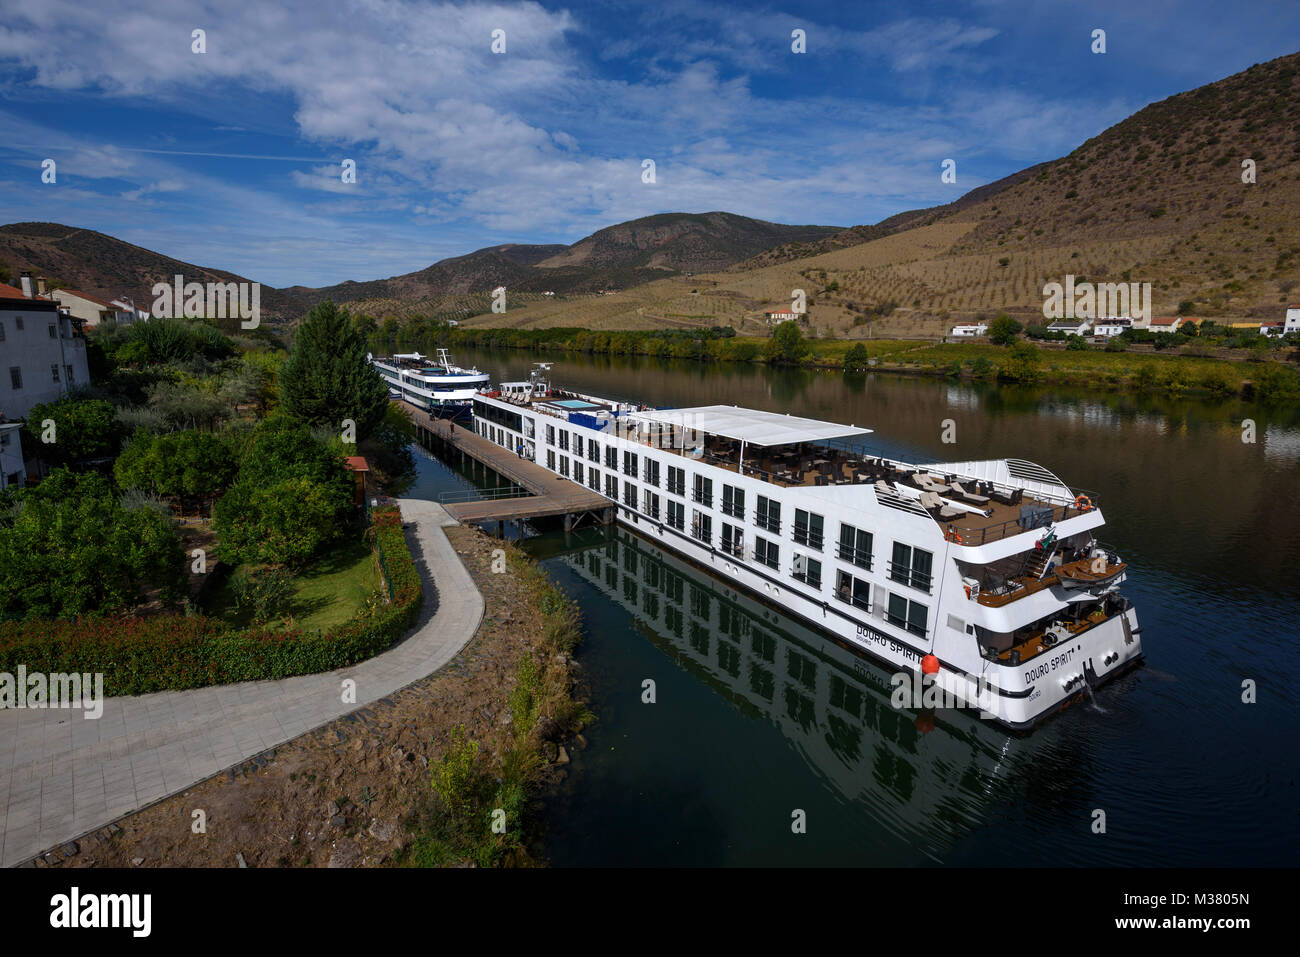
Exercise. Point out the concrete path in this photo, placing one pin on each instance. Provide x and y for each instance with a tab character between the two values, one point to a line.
62	775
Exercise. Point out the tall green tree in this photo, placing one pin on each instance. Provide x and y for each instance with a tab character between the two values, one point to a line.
327	379
787	345
68	430
1003	330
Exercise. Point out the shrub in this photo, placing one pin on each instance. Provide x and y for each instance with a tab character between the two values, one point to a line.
856	359
174	652
1003	330
1116	344
1077	344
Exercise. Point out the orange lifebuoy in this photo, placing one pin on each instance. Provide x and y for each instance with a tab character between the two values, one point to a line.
967	587
1083	503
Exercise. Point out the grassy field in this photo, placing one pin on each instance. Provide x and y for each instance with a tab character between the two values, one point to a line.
325	595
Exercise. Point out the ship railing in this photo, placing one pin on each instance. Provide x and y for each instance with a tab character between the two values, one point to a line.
1038	521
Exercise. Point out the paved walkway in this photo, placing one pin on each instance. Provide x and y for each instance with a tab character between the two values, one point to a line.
62	775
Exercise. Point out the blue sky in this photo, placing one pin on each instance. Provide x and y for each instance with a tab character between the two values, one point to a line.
231	158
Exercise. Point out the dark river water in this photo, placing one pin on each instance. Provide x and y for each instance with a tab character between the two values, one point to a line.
758	721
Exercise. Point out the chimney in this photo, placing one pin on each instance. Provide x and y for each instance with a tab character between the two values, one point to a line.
40	285
27	283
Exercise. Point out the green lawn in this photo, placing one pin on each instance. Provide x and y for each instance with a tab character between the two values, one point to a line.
326	593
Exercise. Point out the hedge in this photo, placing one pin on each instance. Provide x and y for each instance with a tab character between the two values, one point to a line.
174	652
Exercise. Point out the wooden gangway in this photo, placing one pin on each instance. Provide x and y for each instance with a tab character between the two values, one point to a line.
547	494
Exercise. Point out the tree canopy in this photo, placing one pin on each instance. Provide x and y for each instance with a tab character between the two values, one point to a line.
68	547
327	378
787	345
82	429
176	464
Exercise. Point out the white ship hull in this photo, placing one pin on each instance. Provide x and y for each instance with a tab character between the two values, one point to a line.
1014	661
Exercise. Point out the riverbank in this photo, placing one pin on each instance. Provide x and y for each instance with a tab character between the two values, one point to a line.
1196	368
357	791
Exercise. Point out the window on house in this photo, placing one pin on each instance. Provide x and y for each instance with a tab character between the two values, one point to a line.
54	333
15	377
807	528
54	371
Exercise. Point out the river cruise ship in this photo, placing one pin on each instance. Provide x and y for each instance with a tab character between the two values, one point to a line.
984	581
441	388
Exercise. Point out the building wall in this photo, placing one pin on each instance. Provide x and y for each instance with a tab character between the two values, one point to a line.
92	313
12	470
32	350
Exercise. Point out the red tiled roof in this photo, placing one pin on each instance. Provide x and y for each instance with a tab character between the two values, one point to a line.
9	292
1165	320
357	463
87	296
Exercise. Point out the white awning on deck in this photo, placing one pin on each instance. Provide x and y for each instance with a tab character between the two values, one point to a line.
751	426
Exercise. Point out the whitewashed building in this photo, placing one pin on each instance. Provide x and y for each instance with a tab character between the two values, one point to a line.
12	470
970	330
91	309
1112	326
42	351
1071	327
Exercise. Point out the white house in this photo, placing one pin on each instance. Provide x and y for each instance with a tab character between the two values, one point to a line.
780	315
968	330
91	309
1167	323
42	351
1071	327
129	311
12	469
1111	326
1292	322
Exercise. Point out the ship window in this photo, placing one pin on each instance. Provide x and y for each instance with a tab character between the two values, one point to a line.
629	463
676	515
733	540
702	527
733	501
577	471
550	435
652	472
564	465
855	546
611	457
703	492
629	494
768	515
593	479
766	553
676	480
911	566
611	487
564	440
853	591
807	570
550	459
807	528
907	614
593	450
651	505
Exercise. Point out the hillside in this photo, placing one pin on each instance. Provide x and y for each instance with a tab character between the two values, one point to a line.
109	268
1156	198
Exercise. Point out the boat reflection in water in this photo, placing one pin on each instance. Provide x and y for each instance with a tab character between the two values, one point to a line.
926	774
